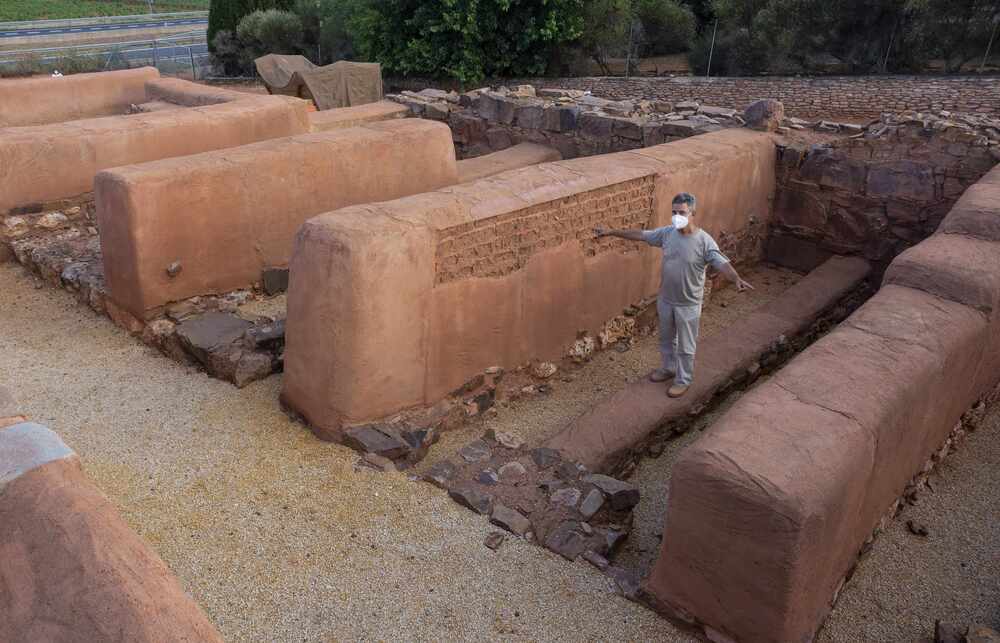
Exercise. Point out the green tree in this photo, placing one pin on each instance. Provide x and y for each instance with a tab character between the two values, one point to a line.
668	27
466	40
328	36
956	31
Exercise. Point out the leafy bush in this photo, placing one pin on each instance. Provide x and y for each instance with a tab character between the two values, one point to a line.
467	40
270	32
225	15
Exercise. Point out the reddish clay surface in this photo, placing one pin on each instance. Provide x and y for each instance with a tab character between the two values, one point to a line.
41	100
225	216
512	158
502	270
975	213
769	509
72	570
605	433
51	162
358	115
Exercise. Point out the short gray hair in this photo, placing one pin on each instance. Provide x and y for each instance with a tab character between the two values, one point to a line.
686	197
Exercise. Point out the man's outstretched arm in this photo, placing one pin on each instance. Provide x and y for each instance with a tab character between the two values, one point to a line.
730	273
631	235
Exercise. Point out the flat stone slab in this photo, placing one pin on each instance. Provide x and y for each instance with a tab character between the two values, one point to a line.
607	432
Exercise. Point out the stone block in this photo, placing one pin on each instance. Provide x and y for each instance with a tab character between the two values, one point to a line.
506	110
487	106
764	115
800	210
653	134
630	128
682	127
561	118
596	125
467	128
529	116
275	280
830	169
717	112
437	111
376	439
204	334
904	180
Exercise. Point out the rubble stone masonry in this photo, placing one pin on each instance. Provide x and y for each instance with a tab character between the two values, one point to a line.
862	96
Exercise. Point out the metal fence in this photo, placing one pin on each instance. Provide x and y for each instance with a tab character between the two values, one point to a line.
183	54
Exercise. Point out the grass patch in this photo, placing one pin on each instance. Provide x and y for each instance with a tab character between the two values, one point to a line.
61	9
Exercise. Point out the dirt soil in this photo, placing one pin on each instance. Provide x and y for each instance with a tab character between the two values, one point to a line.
536	417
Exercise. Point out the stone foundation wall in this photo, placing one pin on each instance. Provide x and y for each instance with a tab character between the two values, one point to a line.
485	121
860	96
769	509
501	271
877	193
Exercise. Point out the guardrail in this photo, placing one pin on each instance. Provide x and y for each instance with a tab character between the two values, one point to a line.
101	20
172	55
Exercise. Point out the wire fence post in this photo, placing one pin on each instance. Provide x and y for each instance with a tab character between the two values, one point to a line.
156	61
194	72
708	70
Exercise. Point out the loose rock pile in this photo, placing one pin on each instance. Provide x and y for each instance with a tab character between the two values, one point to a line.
575	122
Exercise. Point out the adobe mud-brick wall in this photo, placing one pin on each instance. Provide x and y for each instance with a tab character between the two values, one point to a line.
877	194
49	162
43	100
212	222
859	96
416	296
768	510
70	568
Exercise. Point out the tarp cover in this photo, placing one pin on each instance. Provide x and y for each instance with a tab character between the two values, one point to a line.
342	84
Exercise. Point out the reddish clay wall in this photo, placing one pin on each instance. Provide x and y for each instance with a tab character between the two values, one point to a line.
41	100
341	117
70	568
50	162
225	216
395	304
769	509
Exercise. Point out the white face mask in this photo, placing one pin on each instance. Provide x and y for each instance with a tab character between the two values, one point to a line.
680	221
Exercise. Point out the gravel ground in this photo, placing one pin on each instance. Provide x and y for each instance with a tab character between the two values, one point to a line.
275	533
907	581
280	537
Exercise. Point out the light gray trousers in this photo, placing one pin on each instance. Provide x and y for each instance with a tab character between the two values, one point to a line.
678	338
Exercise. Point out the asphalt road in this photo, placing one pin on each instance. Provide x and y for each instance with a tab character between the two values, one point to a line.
138	24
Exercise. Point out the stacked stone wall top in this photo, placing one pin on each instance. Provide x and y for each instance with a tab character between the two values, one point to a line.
42	100
502	270
861	96
769	510
71	569
51	162
213	222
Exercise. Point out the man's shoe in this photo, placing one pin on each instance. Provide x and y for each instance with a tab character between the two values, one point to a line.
660	375
677	390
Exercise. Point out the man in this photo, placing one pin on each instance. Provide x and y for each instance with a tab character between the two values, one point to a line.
687	251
